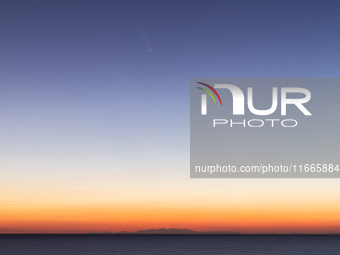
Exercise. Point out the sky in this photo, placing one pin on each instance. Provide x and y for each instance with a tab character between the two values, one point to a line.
94	109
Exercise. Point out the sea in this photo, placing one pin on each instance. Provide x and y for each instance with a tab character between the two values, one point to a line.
130	244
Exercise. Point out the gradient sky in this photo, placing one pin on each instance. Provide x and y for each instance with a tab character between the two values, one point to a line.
94	108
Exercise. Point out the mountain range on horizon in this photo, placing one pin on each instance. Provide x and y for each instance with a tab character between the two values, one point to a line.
169	231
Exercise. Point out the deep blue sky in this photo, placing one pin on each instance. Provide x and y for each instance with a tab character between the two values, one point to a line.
93	56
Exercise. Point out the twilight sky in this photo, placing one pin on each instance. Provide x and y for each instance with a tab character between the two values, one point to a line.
94	109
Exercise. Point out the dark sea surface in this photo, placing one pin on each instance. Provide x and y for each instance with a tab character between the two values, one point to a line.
169	244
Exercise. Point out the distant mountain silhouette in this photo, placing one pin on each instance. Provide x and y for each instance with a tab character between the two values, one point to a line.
165	231
176	231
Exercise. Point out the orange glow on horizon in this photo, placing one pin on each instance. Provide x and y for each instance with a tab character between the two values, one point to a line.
83	219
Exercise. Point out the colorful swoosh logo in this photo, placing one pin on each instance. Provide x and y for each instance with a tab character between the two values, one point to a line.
208	92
